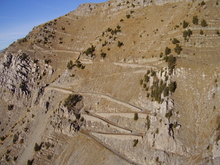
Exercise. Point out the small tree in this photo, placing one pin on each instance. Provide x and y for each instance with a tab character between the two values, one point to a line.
103	55
128	15
204	23
178	49
120	44
185	24
172	86
136	116
135	142
201	32
195	20
10	107
175	41
167	51
202	3
70	64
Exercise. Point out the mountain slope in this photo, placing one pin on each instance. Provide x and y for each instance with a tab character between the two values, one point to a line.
121	82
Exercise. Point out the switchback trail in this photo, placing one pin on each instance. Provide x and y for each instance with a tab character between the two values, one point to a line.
110	98
109	148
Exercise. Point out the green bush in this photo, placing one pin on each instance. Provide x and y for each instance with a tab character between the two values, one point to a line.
187	33
178	49
169	114
172	86
202	3
171	60
185	24
103	55
128	15
47	61
175	41
201	32
135	142
166	92
15	138
120	44
10	107
71	101
70	64
38	147
195	20
90	51
167	51
30	162
148	123
204	23
136	116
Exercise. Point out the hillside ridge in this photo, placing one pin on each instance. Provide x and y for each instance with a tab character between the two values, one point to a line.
120	82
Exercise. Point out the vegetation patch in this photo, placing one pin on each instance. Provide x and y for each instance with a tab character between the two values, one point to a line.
135	142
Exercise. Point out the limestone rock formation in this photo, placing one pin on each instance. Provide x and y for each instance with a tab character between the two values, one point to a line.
120	82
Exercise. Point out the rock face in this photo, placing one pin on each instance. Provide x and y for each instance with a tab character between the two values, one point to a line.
120	82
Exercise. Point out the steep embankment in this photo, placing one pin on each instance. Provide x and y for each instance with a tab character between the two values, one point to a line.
121	82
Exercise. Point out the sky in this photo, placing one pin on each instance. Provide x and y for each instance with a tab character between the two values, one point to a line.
18	17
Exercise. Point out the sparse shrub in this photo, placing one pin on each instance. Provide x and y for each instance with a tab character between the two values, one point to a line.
3	138
178	49
204	23
175	41
157	131
38	147
202	3
30	162
172	86
121	20
166	92
47	61
128	16
120	44
90	51
218	33
195	20
103	55
135	142
49	157
141	82
148	123
10	107
187	33
35	61
15	138
171	60
70	64
146	78
153	73
201	32
167	51
136	116
185	24
72	100
169	114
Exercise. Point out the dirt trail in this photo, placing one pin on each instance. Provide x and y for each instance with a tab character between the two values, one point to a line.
109	148
109	122
122	135
107	97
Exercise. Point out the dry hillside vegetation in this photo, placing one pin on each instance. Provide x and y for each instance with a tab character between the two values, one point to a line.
120	82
